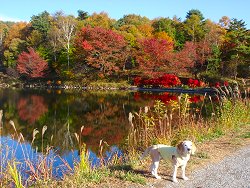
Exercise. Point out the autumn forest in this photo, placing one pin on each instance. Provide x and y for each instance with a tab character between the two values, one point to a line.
96	47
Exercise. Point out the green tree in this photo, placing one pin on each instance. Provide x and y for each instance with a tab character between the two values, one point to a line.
10	54
236	48
82	15
132	19
38	34
193	27
164	24
14	43
35	39
179	37
134	27
41	23
195	12
214	62
130	33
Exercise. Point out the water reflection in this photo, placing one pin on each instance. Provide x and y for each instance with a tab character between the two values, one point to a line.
29	159
103	116
31	108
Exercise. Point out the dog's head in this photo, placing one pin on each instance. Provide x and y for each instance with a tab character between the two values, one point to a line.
186	147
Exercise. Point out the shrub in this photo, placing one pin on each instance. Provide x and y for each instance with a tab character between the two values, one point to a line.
166	80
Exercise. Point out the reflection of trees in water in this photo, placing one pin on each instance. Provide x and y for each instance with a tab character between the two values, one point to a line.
31	108
61	126
102	115
105	123
65	134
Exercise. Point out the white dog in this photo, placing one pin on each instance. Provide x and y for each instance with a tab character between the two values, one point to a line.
179	157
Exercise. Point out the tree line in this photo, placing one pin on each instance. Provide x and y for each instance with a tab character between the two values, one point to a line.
94	47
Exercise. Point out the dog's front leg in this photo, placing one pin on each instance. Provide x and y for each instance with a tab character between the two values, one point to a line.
175	173
183	169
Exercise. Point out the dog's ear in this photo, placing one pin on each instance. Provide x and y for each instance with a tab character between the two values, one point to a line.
193	150
180	148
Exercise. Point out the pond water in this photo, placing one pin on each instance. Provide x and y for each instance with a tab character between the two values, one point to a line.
93	116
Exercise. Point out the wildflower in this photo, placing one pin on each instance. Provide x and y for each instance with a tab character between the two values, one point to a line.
217	84
226	83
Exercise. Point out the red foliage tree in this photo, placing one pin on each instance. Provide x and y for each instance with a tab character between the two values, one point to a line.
102	48
31	64
154	55
185	59
192	57
204	51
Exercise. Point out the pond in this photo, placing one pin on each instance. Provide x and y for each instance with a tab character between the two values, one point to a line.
60	115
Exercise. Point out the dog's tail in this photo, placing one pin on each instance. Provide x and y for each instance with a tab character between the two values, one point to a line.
146	152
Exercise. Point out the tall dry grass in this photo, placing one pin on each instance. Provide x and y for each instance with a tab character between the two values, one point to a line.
34	168
177	121
37	170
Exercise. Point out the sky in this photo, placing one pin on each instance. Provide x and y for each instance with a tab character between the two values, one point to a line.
23	10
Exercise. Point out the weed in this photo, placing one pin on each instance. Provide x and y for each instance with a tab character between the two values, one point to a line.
15	175
202	155
246	135
131	176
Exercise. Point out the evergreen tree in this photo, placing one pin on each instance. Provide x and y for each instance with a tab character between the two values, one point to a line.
236	48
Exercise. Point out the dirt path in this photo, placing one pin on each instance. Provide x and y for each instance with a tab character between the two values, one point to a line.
223	162
232	172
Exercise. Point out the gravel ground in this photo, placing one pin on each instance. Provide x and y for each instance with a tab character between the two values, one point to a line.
232	172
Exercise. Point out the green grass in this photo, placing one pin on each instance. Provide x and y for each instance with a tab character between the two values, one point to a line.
131	176
202	155
245	135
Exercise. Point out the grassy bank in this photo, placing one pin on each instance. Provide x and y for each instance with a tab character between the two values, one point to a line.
160	123
166	124
176	121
